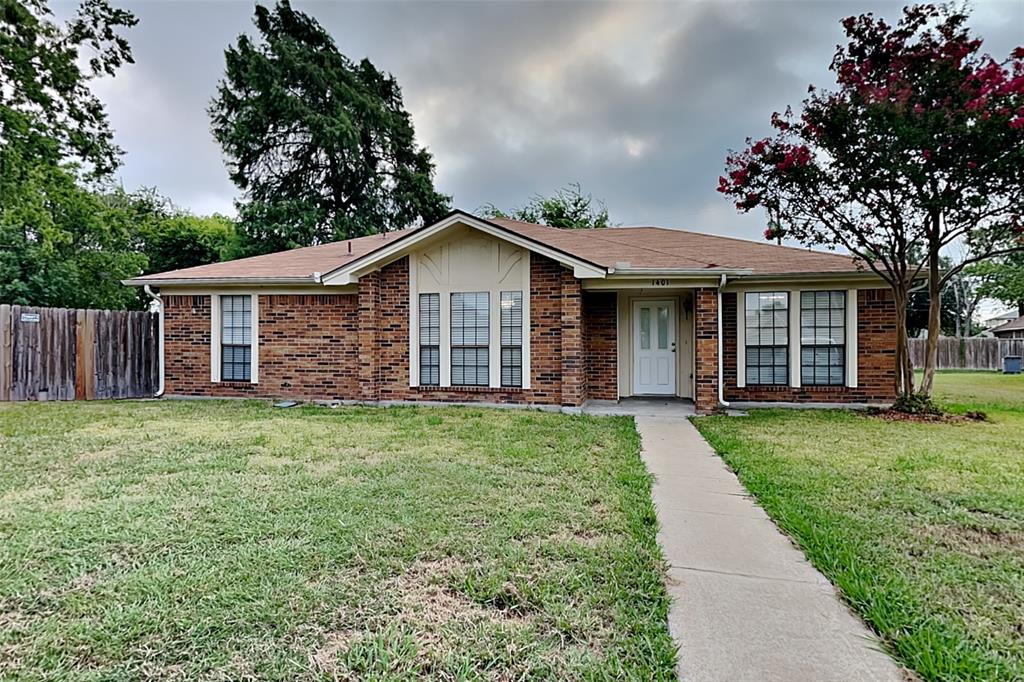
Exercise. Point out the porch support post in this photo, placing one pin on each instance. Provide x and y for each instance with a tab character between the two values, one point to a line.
369	323
705	330
572	341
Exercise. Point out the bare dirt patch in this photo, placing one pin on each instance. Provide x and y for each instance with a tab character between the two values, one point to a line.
925	417
977	540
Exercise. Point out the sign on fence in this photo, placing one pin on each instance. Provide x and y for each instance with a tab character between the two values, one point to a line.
974	353
64	354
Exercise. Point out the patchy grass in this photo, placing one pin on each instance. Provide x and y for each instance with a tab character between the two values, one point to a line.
228	540
967	390
921	526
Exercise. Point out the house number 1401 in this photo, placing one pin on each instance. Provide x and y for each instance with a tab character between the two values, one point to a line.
659	282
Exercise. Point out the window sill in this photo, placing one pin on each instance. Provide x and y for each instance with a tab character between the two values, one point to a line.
805	387
470	389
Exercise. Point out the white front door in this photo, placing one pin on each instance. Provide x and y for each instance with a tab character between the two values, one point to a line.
654	348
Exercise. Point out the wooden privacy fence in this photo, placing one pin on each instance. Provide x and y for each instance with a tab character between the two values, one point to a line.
957	353
62	354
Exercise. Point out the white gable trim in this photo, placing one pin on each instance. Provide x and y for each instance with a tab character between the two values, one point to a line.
351	272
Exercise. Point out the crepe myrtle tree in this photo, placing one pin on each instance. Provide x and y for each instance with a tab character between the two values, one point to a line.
920	146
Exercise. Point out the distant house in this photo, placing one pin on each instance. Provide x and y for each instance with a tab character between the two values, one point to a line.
1011	330
999	320
485	310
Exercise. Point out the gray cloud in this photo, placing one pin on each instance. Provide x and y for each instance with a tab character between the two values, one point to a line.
638	102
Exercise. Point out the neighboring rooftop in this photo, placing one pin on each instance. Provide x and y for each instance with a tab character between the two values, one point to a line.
1011	326
612	247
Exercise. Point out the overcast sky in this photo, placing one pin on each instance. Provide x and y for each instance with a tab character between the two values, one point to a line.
638	102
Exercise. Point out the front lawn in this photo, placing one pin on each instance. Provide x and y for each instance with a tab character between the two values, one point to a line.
229	540
921	526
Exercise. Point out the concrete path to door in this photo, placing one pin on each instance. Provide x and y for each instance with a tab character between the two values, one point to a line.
746	603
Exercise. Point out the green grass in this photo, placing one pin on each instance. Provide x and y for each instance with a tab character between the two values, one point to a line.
228	540
921	526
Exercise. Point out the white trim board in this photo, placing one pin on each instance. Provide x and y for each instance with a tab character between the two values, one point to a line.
350	273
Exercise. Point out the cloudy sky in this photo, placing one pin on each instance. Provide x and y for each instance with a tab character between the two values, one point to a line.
638	102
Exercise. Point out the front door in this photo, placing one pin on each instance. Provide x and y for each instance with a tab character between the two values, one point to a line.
654	348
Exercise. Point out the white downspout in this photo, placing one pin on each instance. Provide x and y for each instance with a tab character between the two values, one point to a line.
721	348
157	306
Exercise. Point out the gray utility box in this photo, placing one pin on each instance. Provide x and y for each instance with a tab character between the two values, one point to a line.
1011	364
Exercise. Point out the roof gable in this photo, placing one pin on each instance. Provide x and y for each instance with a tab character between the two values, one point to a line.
351	271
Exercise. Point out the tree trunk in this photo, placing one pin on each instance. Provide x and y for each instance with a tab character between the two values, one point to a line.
931	357
904	368
956	317
1020	308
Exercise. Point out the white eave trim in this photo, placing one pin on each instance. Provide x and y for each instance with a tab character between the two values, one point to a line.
220	281
624	273
804	278
351	272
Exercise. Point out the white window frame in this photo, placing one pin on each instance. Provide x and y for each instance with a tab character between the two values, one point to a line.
741	336
493	290
794	334
215	336
846	332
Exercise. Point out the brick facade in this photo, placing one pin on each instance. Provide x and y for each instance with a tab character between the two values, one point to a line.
356	347
600	344
307	348
705	330
876	343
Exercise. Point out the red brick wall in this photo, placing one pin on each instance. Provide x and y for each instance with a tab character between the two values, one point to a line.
573	371
705	329
307	347
600	344
876	343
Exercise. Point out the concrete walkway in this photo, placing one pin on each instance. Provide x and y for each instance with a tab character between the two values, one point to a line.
746	604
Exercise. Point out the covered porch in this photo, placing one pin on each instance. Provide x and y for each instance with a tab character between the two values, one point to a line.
650	346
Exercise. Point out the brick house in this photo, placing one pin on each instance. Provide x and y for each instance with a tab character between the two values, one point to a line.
499	311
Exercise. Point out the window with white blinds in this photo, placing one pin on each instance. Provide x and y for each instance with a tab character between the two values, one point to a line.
470	338
512	338
823	338
236	338
767	338
430	339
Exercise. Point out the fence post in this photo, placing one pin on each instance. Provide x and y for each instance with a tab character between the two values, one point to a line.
6	352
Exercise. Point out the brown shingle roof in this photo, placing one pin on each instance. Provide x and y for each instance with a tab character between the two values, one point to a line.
298	263
1011	326
640	247
659	247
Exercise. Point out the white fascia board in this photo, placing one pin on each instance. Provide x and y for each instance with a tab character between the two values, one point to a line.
351	272
836	280
218	281
632	273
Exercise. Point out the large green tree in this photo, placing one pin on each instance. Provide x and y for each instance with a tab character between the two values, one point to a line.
568	208
919	146
321	146
48	115
1003	279
58	245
